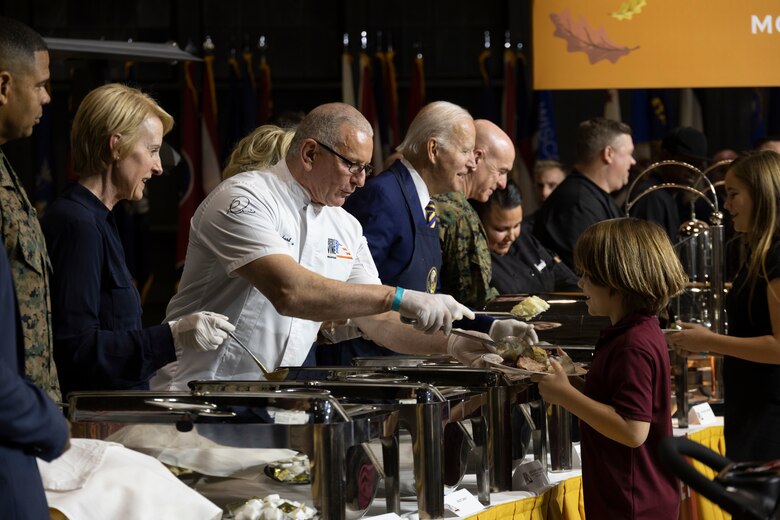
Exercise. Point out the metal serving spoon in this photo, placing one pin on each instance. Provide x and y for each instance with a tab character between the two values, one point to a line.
276	375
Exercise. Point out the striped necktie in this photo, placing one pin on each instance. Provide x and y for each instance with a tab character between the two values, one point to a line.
430	214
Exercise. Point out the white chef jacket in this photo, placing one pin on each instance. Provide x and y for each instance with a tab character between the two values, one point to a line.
247	217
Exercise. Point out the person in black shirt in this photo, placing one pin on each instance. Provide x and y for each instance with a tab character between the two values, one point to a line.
751	350
604	156
520	263
548	175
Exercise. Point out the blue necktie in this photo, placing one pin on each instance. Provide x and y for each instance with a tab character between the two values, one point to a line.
430	214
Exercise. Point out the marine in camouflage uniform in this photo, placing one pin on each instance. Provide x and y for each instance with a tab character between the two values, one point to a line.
466	263
31	270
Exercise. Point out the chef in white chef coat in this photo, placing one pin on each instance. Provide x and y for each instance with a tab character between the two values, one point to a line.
275	253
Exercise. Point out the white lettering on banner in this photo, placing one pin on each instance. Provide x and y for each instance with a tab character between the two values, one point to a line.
757	25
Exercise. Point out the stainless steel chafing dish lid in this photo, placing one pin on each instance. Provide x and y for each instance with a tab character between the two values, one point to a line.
405	361
353	389
235	407
458	376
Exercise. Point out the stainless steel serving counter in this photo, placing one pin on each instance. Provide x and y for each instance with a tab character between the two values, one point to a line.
502	394
242	420
431	414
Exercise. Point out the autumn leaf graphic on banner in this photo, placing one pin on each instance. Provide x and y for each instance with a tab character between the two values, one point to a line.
580	36
629	9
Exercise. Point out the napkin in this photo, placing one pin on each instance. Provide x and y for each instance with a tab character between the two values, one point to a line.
194	451
95	480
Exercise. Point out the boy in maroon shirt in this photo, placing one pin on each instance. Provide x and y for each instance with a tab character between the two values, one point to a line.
629	272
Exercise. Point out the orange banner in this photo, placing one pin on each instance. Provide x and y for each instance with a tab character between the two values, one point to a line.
601	44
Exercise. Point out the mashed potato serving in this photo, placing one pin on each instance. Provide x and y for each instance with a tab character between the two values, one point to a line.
530	308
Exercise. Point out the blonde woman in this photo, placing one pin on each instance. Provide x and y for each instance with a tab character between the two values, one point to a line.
99	342
259	150
752	348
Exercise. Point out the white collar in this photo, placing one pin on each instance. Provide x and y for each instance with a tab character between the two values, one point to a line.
419	185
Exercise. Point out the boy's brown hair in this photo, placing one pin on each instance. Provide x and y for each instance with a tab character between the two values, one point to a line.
633	258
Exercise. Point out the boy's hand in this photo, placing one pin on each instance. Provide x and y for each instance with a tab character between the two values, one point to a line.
553	387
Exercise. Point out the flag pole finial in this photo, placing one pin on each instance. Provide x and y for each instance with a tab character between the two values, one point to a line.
345	40
487	39
417	47
363	40
507	40
208	44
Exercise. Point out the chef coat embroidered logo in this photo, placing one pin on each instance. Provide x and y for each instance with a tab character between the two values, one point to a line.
541	265
431	280
240	205
338	250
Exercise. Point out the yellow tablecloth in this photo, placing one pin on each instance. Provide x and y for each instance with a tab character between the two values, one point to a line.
564	501
694	506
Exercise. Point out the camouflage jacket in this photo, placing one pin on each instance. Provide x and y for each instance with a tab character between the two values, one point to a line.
466	264
31	270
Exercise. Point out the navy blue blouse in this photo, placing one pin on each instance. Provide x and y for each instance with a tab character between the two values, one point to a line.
99	342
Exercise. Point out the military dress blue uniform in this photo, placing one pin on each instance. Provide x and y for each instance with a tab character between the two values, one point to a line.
31	425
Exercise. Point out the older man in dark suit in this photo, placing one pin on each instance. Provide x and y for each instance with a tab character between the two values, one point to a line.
399	220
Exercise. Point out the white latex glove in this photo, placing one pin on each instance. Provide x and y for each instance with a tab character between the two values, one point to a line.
503	328
432	312
469	352
202	330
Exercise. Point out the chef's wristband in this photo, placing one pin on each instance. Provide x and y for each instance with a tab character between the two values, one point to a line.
399	294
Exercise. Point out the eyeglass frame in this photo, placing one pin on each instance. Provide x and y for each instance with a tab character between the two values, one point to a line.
368	168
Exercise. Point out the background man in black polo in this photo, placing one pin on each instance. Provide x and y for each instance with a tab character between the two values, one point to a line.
604	151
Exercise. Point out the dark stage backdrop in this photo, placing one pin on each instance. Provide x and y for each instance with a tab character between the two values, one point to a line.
304	50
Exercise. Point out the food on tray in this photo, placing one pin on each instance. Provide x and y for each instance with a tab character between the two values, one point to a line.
509	347
516	352
534	359
178	471
295	470
273	506
530	307
538	354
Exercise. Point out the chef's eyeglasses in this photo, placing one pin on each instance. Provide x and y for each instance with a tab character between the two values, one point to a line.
353	167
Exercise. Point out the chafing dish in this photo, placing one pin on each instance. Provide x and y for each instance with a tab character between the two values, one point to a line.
431	414
242	420
501	396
